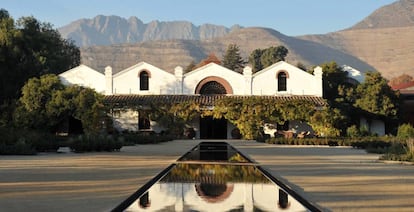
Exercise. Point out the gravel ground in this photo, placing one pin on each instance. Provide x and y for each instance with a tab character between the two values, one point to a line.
335	178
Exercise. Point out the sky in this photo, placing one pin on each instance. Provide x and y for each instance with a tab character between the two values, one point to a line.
290	17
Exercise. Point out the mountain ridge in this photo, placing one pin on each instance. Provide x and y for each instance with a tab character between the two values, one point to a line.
382	41
107	30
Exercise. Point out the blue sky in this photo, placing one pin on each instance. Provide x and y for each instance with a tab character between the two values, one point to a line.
290	17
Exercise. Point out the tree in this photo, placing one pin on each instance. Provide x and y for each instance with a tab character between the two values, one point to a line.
376	97
254	60
273	55
261	59
333	77
36	95
190	67
46	102
29	49
232	59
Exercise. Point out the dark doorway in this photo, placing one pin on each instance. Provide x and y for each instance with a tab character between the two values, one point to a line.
211	128
75	126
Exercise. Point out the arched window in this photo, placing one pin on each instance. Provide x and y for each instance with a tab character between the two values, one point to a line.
281	81
212	87
143	81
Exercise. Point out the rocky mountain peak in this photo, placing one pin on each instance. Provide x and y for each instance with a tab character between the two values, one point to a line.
397	14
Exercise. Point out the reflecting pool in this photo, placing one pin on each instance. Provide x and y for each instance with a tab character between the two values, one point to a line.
214	176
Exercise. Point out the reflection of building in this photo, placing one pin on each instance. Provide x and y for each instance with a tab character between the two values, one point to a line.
233	196
143	83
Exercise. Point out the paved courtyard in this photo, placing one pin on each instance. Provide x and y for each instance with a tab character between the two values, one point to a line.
336	178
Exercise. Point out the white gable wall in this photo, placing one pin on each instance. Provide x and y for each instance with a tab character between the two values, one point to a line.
160	81
84	76
192	79
298	82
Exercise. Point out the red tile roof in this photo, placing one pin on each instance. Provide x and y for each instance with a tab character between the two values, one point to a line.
205	100
403	86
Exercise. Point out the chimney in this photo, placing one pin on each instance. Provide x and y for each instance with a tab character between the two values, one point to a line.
247	73
108	80
178	72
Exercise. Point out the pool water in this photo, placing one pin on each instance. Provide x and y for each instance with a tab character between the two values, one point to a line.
214	176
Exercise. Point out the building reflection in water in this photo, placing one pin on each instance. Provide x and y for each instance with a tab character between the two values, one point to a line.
214	176
218	187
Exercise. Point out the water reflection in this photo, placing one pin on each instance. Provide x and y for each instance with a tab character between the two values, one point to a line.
214	176
215	187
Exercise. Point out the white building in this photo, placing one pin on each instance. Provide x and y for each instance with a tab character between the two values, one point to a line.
145	82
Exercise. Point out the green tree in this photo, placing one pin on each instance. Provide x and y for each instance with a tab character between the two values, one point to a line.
29	49
333	77
273	55
262	58
232	59
254	60
45	103
36	95
376	97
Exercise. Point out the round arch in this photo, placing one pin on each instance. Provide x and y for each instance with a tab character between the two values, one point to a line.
221	81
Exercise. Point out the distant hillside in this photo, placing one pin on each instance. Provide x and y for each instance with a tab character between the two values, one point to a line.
384	39
107	30
168	54
398	14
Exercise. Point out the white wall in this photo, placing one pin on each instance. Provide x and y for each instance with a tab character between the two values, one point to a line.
84	76
192	79
127	81
298	81
125	120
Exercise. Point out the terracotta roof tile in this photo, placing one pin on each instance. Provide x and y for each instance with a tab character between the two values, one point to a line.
206	100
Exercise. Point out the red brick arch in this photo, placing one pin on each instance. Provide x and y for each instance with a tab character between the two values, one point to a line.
223	82
282	71
144	70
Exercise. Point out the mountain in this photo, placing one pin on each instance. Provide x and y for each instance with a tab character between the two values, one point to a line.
384	39
107	30
170	53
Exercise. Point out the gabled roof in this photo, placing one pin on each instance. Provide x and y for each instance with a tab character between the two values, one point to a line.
208	66
143	64
81	67
205	100
281	63
404	86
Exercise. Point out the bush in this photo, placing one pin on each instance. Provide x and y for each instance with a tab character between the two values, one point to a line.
405	131
19	148
353	131
21	141
136	138
95	143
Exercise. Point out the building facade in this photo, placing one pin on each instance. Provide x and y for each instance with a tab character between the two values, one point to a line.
143	82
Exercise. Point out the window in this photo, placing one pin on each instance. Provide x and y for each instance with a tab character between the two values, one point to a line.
212	87
281	82
143	81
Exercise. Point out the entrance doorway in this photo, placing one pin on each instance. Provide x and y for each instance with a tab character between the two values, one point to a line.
211	128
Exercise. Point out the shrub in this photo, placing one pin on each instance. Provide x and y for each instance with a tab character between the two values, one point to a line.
95	143
19	148
405	131
21	141
353	131
136	138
